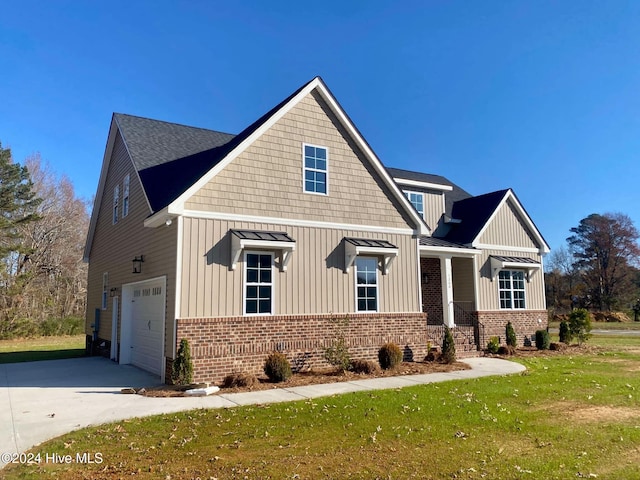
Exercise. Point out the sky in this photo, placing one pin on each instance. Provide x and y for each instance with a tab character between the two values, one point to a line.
541	96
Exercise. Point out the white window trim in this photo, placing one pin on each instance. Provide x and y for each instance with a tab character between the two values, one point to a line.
239	245
116	204
125	195
244	284
105	290
530	268
304	169
355	281
512	290
409	192
352	252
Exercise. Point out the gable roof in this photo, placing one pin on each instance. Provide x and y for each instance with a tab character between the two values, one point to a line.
450	197
476	213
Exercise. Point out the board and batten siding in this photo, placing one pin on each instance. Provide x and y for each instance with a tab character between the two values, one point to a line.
115	246
507	228
433	208
267	178
314	281
463	285
488	295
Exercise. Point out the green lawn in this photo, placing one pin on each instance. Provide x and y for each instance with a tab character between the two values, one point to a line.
567	417
606	325
41	348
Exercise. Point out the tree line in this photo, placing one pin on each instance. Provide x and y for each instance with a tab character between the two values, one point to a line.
43	227
597	268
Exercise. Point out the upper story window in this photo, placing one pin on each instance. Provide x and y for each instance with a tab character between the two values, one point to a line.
366	284
315	169
258	283
511	289
417	200
125	196
116	203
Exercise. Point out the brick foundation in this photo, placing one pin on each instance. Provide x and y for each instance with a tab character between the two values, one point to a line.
220	346
525	323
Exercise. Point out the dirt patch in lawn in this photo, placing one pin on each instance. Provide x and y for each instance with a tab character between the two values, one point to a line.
315	377
593	414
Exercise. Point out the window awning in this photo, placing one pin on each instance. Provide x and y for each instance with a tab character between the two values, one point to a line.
375	248
520	263
261	240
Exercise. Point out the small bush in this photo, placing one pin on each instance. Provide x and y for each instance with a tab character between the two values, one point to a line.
182	371
580	325
433	354
506	350
542	340
510	333
242	379
448	347
277	367
494	345
389	356
363	366
337	353
565	332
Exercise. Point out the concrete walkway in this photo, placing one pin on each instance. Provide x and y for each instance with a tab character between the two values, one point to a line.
42	400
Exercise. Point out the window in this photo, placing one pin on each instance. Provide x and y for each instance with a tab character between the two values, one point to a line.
511	288
105	287
417	200
315	169
258	299
125	196
116	201
366	284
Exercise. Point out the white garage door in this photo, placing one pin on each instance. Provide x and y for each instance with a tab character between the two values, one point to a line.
144	320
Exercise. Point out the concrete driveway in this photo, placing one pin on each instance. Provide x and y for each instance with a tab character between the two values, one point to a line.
42	400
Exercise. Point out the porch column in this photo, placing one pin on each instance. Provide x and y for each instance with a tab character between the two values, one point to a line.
447	290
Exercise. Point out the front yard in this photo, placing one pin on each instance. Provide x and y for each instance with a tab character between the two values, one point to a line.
569	416
41	348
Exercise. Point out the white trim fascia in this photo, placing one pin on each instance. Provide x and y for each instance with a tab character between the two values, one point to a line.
523	215
318	85
487	246
456	252
178	290
419	272
476	283
417	183
544	287
293	222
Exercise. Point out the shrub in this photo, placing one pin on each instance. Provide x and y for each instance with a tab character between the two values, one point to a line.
277	367
494	345
542	340
506	350
560	347
510	333
182	371
242	379
337	353
363	366
448	347
565	333
580	324
389	356
61	326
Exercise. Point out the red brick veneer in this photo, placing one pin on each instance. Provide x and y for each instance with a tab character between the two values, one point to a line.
220	346
431	290
525	324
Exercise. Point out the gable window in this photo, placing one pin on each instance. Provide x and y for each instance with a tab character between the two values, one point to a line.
417	200
366	284
105	293
116	201
258	283
125	196
315	169
511	289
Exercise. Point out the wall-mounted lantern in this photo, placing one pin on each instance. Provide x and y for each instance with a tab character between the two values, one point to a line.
137	264
113	292
425	279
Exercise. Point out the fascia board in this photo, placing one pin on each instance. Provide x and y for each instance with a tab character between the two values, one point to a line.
429	185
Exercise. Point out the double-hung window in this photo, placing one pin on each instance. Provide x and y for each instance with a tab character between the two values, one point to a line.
417	200
125	196
116	203
258	298
366	284
511	289
315	169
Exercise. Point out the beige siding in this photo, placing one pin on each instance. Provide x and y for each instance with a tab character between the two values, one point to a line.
488	289
314	281
463	288
356	195
115	246
433	208
507	228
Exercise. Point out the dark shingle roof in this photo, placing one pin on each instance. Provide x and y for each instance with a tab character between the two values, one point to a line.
474	212
449	197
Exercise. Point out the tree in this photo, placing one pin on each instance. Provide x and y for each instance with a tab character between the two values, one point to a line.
606	248
562	280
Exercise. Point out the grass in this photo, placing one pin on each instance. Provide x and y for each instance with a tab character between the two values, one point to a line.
606	325
566	417
41	348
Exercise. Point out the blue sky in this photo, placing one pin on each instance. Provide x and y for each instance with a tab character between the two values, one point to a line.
542	97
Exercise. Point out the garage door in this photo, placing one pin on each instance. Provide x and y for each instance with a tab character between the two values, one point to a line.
146	324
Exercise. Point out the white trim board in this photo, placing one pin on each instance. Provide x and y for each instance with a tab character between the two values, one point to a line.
416	183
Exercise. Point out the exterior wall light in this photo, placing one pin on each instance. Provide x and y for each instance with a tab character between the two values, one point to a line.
137	264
